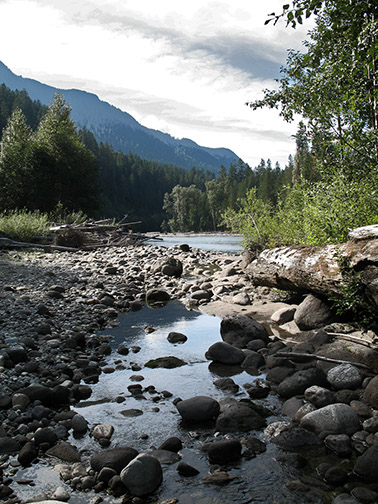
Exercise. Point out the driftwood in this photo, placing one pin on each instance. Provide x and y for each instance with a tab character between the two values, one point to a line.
12	244
318	269
300	355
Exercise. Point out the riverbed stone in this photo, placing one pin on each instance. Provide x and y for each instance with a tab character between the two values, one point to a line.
239	330
371	393
298	382
283	315
173	444
187	470
198	409
319	396
176	337
115	458
225	353
338	418
103	431
312	313
366	466
344	376
225	451
64	451
339	443
296	439
142	475
236	416
169	362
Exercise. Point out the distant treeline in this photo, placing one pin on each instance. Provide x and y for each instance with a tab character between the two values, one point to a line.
46	161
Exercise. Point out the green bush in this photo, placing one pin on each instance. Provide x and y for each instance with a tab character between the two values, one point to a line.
24	225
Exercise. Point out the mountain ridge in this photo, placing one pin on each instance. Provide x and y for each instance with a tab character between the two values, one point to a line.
110	124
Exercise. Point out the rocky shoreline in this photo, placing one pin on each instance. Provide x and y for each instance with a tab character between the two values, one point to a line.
53	306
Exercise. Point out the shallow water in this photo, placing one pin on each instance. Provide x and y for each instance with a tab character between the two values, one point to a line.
226	243
259	480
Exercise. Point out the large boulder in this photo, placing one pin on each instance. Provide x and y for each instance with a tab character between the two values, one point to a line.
239	330
142	475
198	409
298	382
338	418
312	313
236	416
367	464
225	353
371	393
344	376
115	458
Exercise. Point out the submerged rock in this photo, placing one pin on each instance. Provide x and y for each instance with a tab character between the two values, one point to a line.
142	475
198	409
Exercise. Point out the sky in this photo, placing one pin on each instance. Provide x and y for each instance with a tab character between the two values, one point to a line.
184	67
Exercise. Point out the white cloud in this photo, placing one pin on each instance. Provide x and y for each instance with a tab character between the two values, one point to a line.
185	68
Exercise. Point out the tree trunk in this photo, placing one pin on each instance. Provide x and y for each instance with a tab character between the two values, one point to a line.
322	270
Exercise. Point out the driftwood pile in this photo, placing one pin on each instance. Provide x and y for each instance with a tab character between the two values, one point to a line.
88	235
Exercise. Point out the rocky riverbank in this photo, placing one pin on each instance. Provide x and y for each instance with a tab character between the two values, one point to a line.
53	307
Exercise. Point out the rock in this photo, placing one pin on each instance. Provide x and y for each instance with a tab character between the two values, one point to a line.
21	401
254	444
241	299
61	495
312	313
304	410
165	362
172	444
345	498
79	424
236	416
142	475
364	495
157	296
64	451
201	294
283	315
9	445
132	412
319	396
298	382
371	425
165	456
339	443
295	439
187	470
336	476
227	384
103	431
336	418
198	409
239	330
176	337
106	474
253	360
168	266
366	466
344	376
222	452
116	487
115	458
371	393
291	406
45	436
38	393
225	353
218	478
27	454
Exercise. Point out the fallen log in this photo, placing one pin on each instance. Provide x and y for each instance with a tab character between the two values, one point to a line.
323	269
12	244
300	355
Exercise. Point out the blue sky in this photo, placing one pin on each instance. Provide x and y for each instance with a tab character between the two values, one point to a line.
186	68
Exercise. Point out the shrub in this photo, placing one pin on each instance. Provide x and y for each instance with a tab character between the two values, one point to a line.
24	225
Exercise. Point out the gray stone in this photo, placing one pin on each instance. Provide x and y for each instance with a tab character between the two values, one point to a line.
115	458
295	439
79	424
319	396
239	330
64	451
236	416
283	315
169	362
344	376
225	353
103	431
165	456
222	452
176	337
142	475
371	393
339	443
367	464
198	409
21	401
297	383
312	313
336	418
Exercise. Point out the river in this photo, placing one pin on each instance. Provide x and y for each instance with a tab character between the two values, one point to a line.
219	242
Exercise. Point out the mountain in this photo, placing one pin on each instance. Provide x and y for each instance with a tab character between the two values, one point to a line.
119	129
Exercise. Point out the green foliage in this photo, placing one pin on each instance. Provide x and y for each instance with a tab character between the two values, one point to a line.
24	225
185	206
61	215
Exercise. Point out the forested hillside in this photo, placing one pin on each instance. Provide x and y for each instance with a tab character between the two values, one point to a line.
45	161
